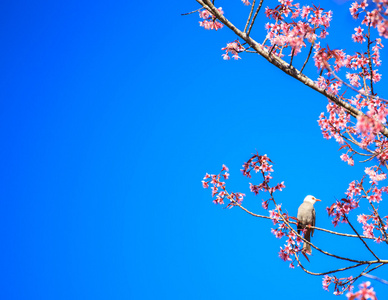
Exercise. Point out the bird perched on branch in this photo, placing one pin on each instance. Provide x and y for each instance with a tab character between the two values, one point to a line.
306	218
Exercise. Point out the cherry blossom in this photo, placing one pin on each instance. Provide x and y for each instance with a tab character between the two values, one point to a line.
232	48
365	291
210	22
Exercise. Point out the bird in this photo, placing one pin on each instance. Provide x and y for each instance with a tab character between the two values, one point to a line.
306	216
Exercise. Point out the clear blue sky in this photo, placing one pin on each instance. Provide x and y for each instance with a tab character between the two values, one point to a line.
110	115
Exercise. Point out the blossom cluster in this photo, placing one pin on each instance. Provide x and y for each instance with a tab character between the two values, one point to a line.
376	18
373	221
337	121
291	248
361	74
210	21
312	24
233	48
370	222
365	292
340	284
293	244
218	188
341	208
375	174
261	163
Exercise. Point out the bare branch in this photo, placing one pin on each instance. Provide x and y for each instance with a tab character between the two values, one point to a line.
382	229
329	272
254	17
366	245
313	227
376	278
370	60
250	15
308	56
353	88
194	11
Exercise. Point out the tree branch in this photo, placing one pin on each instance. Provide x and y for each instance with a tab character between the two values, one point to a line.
282	65
329	272
250	15
292	222
254	17
366	245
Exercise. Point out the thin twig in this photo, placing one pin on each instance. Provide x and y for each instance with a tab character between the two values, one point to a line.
381	222
370	60
366	245
328	272
351	87
194	11
376	278
352	280
254	17
364	273
295	223
250	15
292	57
382	229
308	56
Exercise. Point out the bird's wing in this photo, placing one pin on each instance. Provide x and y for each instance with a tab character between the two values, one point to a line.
299	217
312	229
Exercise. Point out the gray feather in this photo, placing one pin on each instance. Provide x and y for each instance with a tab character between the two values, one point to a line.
306	216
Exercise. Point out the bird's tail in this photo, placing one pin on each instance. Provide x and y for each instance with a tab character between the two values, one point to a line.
306	246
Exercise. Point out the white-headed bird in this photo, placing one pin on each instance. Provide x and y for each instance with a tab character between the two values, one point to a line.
306	216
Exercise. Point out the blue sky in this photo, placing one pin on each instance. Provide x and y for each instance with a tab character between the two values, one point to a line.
110	116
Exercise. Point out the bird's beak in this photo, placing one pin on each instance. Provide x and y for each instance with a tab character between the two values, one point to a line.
317	200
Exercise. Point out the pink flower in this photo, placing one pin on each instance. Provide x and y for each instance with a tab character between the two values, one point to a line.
374	176
210	22
344	157
353	9
368	230
264	204
326	282
234	48
254	188
278	233
225	56
305	12
284	254
218	200
246	2
347	159
214	190
204	14
379	240
362	219
274	215
239	197
365	292
280	186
